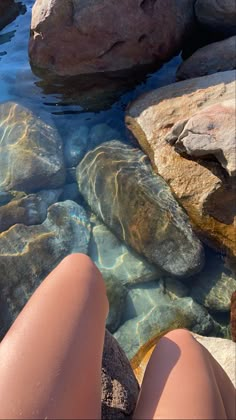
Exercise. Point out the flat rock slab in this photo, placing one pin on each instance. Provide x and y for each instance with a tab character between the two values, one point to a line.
219	56
118	183
29	253
217	15
201	185
90	36
41	163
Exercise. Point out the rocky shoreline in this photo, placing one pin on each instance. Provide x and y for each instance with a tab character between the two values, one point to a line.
154	209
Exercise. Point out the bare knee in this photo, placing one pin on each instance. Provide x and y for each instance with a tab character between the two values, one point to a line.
179	335
81	268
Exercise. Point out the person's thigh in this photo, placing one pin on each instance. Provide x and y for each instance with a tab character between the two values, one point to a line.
182	382
50	360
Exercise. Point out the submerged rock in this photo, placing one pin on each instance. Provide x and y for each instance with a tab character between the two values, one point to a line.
84	37
29	210
118	183
214	286
201	185
136	336
120	388
219	56
144	297
120	267
29	253
37	143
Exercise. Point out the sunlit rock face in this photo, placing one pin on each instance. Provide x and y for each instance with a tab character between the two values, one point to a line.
31	156
169	124
29	253
83	37
118	183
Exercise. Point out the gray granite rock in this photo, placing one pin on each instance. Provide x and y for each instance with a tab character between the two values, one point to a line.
29	210
37	143
217	15
136	334
9	10
120	388
29	253
219	56
118	183
214	286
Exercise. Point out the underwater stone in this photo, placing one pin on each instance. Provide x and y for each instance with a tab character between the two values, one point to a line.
214	286
30	209
29	253
31	156
118	183
138	334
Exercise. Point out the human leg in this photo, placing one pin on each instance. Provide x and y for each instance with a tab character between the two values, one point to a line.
183	381
50	360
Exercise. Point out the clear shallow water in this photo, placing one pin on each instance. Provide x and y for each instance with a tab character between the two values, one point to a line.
70	109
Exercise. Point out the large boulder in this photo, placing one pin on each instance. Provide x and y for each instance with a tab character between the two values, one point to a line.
118	183
41	163
82	37
219	56
119	386
165	121
217	15
29	253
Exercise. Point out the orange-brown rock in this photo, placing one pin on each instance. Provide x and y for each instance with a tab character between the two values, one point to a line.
201	185
233	316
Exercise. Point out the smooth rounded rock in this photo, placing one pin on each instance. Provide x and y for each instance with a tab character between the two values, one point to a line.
41	163
218	56
118	183
29	253
137	335
83	37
